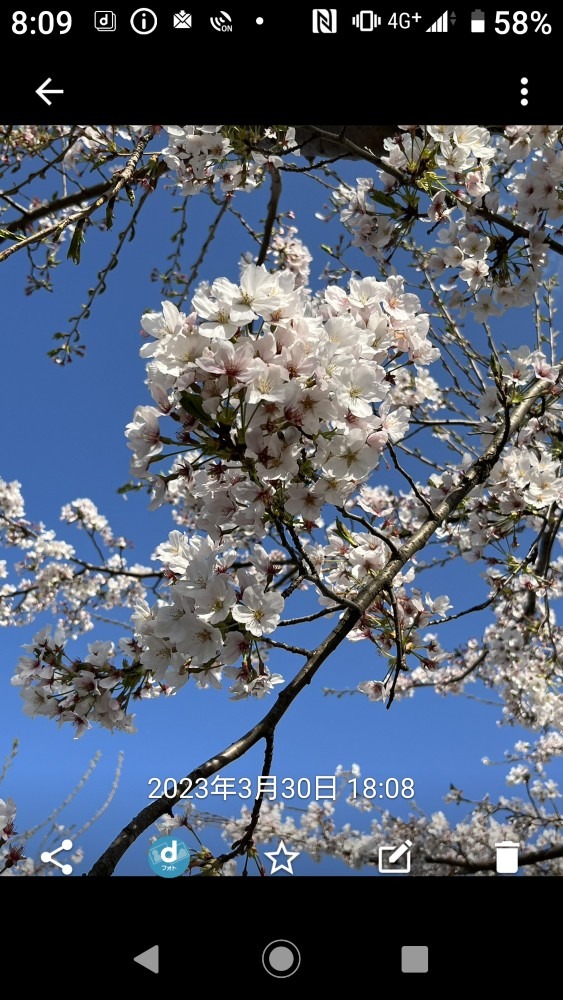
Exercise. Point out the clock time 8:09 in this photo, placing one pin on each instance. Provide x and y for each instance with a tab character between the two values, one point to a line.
46	21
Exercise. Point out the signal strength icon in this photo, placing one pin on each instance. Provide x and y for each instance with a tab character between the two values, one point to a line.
441	24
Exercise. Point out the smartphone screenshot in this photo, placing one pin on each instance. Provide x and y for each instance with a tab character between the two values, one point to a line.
281	499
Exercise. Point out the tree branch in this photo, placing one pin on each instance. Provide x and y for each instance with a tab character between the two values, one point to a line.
286	646
119	180
212	232
544	555
271	217
400	659
26	219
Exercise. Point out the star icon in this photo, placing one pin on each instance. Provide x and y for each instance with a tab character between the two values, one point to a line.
282	866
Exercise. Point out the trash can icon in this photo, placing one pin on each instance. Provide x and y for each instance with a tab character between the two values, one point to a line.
507	857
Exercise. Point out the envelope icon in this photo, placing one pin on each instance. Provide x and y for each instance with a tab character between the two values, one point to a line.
182	20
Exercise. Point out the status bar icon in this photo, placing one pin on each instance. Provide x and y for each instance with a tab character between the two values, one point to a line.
477	20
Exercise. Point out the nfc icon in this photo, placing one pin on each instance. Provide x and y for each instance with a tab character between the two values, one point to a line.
324	21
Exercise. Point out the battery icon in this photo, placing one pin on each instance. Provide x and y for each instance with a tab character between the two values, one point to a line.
477	20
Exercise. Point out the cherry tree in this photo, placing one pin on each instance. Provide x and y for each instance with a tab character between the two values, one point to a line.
322	440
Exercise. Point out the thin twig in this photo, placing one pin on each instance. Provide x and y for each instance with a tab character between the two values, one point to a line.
212	232
271	216
410	480
373	531
288	648
240	846
307	618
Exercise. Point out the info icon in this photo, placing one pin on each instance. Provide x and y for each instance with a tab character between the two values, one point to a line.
169	857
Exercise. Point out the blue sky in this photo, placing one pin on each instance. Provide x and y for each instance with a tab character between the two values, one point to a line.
63	438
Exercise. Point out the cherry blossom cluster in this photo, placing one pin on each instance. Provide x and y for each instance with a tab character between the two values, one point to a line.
12	858
291	410
22	141
282	404
459	174
77	691
7	819
51	575
518	656
205	155
289	252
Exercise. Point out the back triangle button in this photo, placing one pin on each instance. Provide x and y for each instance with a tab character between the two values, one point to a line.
148	959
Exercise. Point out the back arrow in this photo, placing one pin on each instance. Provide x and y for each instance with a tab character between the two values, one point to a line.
42	92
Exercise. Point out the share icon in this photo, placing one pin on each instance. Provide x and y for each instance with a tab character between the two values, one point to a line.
49	857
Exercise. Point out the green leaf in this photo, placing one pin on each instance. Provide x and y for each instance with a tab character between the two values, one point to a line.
384	199
193	404
131	487
7	235
344	534
75	245
109	213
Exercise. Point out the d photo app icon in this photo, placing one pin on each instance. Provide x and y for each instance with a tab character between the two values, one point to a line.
169	857
324	21
105	20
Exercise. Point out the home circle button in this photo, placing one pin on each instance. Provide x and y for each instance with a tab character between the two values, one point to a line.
281	959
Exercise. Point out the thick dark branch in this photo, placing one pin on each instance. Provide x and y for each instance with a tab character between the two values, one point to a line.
545	549
26	219
262	730
400	659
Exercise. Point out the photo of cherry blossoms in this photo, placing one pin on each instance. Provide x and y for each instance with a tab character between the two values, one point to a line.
281	500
